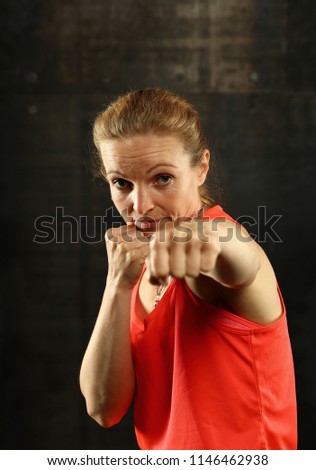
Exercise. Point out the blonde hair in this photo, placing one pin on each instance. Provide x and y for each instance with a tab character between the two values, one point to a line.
152	111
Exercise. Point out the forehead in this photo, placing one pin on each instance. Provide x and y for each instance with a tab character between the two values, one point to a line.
140	150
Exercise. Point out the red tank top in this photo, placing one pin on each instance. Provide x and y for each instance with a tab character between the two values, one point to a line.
209	379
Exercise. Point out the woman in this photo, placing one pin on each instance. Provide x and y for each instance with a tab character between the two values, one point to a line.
192	325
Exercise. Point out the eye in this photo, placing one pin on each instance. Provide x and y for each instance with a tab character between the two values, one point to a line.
120	183
163	179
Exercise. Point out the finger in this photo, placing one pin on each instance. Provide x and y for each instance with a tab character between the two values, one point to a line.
125	233
163	281
207	259
152	279
158	260
111	235
193	258
177	259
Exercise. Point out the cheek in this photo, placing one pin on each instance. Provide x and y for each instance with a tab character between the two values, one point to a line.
117	197
122	201
188	185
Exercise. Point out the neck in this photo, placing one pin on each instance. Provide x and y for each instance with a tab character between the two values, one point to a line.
200	210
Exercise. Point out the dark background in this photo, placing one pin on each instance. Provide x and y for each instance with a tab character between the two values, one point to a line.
249	68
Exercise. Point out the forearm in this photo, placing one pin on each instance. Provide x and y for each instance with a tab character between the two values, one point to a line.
107	375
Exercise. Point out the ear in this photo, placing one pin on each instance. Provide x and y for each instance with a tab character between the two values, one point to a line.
203	167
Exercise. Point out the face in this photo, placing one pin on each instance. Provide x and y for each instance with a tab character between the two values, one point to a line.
151	178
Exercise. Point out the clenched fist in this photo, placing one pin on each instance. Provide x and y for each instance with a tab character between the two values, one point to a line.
184	249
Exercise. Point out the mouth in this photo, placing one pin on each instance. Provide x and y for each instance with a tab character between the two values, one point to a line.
148	224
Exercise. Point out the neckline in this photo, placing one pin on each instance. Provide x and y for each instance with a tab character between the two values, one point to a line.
139	318
143	320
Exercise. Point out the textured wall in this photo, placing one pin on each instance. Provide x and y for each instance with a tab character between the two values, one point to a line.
249	67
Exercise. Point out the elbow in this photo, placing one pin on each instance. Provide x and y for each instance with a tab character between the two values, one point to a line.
254	268
248	280
251	276
103	417
236	278
105	412
96	406
107	406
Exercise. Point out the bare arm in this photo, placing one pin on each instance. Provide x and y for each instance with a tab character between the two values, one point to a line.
218	249
107	374
107	377
248	286
220	263
238	256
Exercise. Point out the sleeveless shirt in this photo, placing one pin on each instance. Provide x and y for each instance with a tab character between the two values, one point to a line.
209	379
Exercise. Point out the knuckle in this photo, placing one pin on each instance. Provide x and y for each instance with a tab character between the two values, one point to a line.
108	234
112	234
153	243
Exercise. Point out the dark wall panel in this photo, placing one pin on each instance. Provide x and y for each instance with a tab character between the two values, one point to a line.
249	68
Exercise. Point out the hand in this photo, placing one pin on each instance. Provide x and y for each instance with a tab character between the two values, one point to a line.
127	250
187	249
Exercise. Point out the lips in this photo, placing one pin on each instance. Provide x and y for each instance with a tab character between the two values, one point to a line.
149	224
146	224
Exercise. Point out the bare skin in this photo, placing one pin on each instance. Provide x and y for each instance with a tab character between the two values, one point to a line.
152	181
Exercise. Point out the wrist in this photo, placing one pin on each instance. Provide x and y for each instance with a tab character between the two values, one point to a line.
119	283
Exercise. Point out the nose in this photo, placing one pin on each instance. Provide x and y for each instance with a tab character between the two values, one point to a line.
142	200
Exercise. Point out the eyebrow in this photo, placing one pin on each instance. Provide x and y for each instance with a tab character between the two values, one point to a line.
154	167
160	164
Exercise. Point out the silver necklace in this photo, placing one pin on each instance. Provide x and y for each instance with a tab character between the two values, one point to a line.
200	211
160	289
